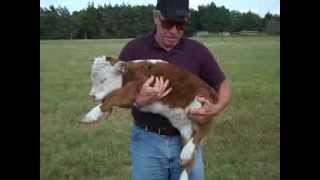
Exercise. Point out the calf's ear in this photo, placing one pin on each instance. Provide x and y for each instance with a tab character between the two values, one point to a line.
112	60
121	66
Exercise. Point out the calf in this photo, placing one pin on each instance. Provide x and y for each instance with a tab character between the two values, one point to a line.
116	83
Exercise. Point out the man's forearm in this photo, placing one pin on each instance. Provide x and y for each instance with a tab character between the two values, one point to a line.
224	95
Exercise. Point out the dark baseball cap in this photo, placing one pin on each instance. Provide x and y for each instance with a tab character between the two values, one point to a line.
175	10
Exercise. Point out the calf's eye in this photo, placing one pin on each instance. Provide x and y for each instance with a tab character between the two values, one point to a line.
103	80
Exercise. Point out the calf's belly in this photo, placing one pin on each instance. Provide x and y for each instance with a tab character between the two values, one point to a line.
177	116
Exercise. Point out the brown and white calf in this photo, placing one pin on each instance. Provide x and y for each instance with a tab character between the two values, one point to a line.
116	83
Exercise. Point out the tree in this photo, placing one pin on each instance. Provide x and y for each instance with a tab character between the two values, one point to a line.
55	23
215	19
236	21
266	18
194	23
273	25
251	22
125	21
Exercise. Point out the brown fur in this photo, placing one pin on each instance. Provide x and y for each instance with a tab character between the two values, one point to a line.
185	87
184	83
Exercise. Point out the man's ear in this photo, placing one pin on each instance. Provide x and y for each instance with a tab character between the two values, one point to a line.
121	66
154	20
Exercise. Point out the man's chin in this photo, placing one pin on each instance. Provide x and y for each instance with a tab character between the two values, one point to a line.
170	44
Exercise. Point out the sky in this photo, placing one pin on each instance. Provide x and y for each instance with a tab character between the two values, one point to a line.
261	7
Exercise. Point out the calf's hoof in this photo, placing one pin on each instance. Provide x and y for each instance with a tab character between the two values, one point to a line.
184	175
88	120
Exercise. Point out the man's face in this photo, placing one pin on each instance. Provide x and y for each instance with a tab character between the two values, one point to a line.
169	32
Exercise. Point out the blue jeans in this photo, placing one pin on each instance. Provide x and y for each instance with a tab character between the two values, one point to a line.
157	157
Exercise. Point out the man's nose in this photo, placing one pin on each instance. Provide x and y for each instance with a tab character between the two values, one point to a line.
173	29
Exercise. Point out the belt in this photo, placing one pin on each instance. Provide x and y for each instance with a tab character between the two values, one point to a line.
168	131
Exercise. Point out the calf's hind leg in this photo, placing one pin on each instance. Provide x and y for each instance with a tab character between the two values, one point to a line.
187	153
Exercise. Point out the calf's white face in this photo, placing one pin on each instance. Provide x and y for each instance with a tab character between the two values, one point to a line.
105	78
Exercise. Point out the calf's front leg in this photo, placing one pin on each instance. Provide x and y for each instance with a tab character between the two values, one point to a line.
123	97
93	115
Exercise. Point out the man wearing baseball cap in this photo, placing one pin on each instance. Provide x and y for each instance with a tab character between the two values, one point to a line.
155	144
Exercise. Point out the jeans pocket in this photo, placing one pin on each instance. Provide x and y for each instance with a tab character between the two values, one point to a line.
136	134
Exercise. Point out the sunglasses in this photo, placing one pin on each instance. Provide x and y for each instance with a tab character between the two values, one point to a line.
168	24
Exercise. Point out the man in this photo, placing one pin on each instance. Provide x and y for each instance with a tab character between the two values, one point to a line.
155	144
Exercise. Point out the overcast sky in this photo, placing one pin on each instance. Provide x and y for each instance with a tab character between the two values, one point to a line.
260	7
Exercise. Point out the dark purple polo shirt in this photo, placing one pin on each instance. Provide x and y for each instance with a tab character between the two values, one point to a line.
188	53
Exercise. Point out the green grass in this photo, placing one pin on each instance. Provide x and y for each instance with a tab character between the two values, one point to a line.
245	144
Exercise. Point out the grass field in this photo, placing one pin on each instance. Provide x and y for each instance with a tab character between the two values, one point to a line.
244	146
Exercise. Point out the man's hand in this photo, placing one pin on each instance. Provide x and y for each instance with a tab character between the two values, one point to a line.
203	114
209	110
149	94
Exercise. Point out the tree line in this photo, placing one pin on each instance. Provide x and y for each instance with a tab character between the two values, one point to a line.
126	21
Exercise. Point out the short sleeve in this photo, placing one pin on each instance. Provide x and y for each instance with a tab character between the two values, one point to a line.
126	53
210	70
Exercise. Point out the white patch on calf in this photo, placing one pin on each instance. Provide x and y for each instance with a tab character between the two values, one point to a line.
188	150
93	115
153	61
194	104
176	116
179	119
105	78
184	175
186	131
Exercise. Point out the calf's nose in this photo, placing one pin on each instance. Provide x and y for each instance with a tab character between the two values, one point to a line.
92	97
